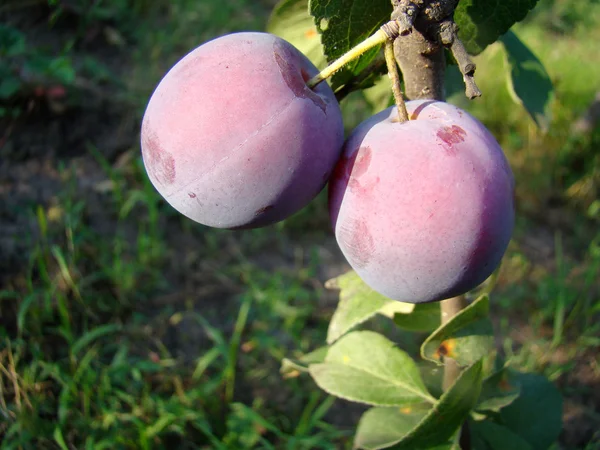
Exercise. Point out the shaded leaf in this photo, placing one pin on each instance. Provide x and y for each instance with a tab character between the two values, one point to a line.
12	41
498	391
424	317
9	86
358	303
528	82
466	338
293	367
345	23
482	22
491	436
433	376
536	415
291	21
365	367
383	427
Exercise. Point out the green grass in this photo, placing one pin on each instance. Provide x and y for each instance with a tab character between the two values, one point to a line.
135	328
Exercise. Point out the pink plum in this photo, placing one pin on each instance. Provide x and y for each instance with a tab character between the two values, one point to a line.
232	137
422	210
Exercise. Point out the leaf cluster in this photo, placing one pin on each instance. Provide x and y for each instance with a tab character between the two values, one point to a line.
504	408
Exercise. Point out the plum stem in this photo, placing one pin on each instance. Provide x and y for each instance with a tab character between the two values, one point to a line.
394	75
388	31
448	309
378	38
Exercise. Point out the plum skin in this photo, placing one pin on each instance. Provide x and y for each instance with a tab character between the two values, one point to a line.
233	138
422	210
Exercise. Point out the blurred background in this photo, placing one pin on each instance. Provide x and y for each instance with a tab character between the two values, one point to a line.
125	325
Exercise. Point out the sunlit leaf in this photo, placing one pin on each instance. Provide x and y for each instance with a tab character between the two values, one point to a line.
365	367
405	429
358	303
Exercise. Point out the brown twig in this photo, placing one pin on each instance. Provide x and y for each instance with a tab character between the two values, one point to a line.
448	35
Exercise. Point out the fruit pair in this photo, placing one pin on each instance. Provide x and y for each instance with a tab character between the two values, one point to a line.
234	138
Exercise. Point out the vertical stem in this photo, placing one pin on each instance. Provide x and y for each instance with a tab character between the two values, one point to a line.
395	79
449	308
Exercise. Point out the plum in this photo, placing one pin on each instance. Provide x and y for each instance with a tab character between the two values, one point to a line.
232	137
422	210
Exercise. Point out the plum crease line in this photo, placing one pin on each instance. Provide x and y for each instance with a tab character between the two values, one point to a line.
234	150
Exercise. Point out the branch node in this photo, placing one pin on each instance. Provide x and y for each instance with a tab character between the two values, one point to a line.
405	13
391	29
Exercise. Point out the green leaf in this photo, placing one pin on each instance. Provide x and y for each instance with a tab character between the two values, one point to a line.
466	338
491	436
536	415
291	21
292	367
346	23
433	377
528	82
481	23
365	367
383	427
358	303
498	391
424	317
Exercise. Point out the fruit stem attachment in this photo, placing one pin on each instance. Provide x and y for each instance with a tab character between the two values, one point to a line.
390	60
376	39
388	31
